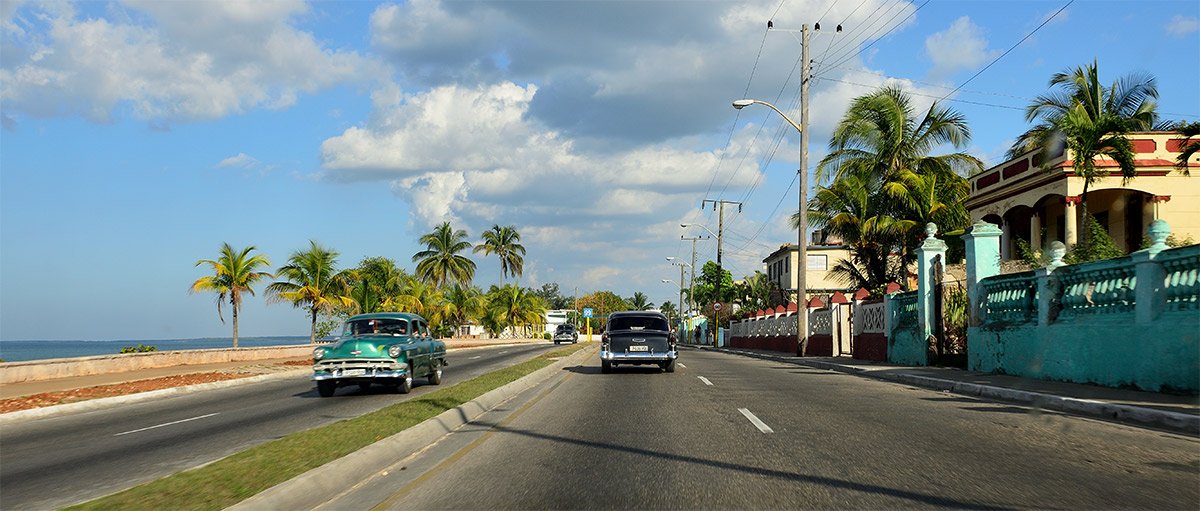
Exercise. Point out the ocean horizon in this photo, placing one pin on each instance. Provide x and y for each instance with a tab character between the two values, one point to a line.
17	351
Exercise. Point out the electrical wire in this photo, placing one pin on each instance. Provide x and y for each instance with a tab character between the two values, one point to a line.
894	27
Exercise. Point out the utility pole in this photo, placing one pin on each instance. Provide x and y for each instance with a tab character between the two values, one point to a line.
720	269
802	177
692	280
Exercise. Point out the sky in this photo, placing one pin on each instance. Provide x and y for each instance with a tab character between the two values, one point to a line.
138	136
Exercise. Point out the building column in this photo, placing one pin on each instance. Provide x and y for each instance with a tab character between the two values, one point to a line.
1005	240
1035	231
1071	221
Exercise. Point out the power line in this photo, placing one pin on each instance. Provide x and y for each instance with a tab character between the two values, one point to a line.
939	98
1011	48
852	41
894	27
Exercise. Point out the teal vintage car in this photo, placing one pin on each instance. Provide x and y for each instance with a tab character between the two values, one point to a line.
387	348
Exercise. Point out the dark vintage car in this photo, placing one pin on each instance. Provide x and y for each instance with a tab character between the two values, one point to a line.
637	337
566	333
388	348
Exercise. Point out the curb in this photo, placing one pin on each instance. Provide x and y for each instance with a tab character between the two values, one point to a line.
337	476
104	402
1174	422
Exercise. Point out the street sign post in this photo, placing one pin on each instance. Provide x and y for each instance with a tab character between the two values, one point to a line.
587	314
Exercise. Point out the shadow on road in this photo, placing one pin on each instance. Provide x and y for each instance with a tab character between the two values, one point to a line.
923	499
627	369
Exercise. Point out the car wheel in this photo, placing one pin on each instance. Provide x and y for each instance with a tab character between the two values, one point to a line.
605	366
405	385
435	377
326	388
555	343
669	367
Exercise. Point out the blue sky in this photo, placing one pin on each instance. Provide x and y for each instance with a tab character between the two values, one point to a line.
138	136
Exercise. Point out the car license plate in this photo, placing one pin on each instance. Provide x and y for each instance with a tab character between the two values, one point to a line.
639	348
354	372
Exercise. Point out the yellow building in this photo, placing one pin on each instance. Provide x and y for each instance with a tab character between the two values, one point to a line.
781	265
1037	200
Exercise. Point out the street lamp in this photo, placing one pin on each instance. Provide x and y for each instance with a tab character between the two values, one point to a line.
720	276
802	175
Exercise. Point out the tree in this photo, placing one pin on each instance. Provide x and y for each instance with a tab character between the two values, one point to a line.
639	302
375	281
514	306
440	263
706	282
886	184
420	297
311	281
668	309
1189	146
505	242
463	304
550	294
234	272
1090	120
754	292
602	304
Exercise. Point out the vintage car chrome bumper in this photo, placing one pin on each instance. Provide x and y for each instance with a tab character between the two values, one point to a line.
637	356
564	337
358	368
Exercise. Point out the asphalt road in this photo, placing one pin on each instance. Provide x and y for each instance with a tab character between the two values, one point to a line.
58	461
768	435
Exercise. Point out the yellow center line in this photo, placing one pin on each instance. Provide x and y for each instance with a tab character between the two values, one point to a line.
406	489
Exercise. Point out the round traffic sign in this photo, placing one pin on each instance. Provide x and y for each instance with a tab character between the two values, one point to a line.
717	306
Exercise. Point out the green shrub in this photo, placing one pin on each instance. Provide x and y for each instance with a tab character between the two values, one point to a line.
141	348
546	336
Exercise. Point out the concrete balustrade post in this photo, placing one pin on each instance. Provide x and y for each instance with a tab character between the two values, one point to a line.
1049	291
1150	296
982	244
932	252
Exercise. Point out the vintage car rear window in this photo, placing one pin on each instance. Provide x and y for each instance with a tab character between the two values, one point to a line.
381	326
638	323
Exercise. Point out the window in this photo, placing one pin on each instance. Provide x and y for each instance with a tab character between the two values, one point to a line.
638	323
818	262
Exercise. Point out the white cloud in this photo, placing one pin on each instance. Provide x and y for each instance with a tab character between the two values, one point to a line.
240	160
1180	25
197	60
961	46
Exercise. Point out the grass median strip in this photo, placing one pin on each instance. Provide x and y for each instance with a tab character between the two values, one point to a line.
240	476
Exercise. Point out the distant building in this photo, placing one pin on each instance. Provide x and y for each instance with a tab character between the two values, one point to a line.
1037	199
781	268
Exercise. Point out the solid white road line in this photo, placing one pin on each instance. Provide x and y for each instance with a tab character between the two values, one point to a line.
762	426
168	424
705	380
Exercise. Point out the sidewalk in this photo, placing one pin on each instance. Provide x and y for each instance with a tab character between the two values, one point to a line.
266	366
1176	413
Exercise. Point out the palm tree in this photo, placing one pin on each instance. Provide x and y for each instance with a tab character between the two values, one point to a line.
1189	146
885	183
463	304
422	298
234	272
374	282
311	281
1091	120
440	263
640	302
515	306
668	310
505	242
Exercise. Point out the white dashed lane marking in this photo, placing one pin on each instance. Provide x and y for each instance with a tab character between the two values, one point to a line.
167	424
762	426
476	356
705	380
683	366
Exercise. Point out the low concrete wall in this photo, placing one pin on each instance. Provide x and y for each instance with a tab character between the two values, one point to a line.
906	347
781	343
871	346
48	369
819	345
1113	351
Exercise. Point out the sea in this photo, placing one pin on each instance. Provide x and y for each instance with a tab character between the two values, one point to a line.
15	351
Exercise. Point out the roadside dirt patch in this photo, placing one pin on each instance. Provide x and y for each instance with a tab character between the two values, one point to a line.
119	389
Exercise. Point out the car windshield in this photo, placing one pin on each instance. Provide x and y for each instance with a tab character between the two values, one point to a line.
638	323
375	326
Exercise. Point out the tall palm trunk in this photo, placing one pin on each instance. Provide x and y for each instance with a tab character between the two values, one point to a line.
233	301
312	333
1082	221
